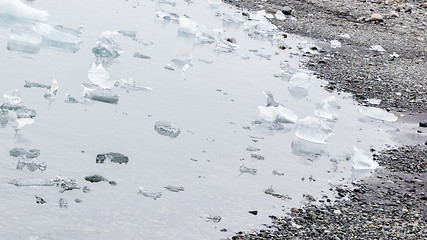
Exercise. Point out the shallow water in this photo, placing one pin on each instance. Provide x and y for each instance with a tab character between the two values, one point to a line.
213	102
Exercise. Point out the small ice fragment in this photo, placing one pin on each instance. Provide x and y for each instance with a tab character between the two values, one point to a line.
265	27
30	164
51	92
214	4
280	16
12	98
131	85
243	169
215	219
252	149
58	39
39	200
107	49
70	99
378	113
374	101
188	26
362	160
14	8
20	152
127	33
139	55
27	182
114	157
99	94
300	80
279	114
257	156
167	129
63	203
75	32
206	61
174	189
313	129
86	189
153	195
270	191
169	67
98	75
168	2
301	147
377	48
78	200
64	183
95	178
335	44
205	38
36	85
167	16
233	18
182	59
345	35
225	46
24	40
327	108
24	112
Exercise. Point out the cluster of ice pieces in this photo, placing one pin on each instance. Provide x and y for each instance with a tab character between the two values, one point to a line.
13	112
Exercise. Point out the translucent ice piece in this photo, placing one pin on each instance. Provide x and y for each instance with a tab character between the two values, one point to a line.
24	112
362	160
96	93
243	169
27	182
327	108
215	219
168	2
300	80
374	101
188	26
130	85
174	189
114	157
36	85
279	114
270	99
378	113
335	44
18	9
75	32
205	38
233	18
51	92
127	33
214	4
167	129
145	193
279	15
272	192
313	129
24	40
20	152
98	75
377	48
58	39
12	97
301	147
225	46
167	16
182	59
70	99
139	55
30	164
107	49
65	183
63	203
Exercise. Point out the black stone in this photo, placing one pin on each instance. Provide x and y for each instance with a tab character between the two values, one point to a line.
423	123
253	212
287	10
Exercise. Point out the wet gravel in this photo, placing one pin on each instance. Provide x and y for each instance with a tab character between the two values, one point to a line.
391	203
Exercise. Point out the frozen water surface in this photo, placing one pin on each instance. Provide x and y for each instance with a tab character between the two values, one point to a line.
93	42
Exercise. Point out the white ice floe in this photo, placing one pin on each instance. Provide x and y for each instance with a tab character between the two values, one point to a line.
362	160
378	113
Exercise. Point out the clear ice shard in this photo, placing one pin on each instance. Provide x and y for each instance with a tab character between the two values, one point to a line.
362	160
65	183
12	98
57	39
215	219
272	192
167	129
378	113
127	33
327	108
18	9
300	80
51	92
168	2
377	48
233	18
63	203
225	46
98	75
145	193
167	16
174	189
301	147
182	59
279	114
107	49
36	85
71	99
313	129
279	15
30	164
22	39
130	85
27	182
188	26
243	169
96	93
139	55
22	153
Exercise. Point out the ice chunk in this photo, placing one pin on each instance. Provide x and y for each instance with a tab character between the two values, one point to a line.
24	40
345	35
27	182
24	112
270	99
22	153
75	32
36	85
233	18
99	94
374	101
378	113
63	203
377	48
4	117
139	55
153	195
265	26
280	16
174	189
335	44
114	157
327	108
257	156
51	92
70	99
313	129
57	39
30	164
362	160
107	49
225	46
130	85
215	219
279	114
272	192
182	59
167	129
18	9
169	2
65	183
300	80
252	149
98	75
243	169
214	4
301	147
127	33
167	16
188	26
13	98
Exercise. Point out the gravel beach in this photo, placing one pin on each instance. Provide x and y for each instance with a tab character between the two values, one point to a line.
380	53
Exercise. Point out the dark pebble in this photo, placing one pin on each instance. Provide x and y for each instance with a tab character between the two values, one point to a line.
253	212
423	123
287	10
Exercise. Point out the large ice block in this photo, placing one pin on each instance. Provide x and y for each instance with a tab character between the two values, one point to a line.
313	129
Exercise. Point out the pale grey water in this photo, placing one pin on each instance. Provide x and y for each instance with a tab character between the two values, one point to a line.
204	158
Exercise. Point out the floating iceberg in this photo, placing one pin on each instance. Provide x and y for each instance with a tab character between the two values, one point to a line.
16	8
22	39
378	113
279	114
145	193
167	129
114	157
313	129
327	108
362	160
27	182
98	75
96	93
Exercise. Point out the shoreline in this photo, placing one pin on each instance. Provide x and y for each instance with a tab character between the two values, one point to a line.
392	202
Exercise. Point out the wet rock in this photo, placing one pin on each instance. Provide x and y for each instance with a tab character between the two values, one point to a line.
287	10
114	157
423	123
40	200
98	178
376	17
253	212
232	40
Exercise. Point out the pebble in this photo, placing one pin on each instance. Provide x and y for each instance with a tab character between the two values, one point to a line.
272	11
287	10
423	123
376	17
